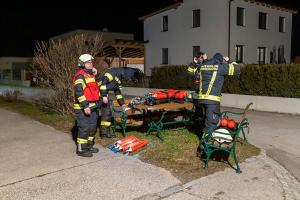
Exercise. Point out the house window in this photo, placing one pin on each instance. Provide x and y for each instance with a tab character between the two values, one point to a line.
165	23
261	55
16	74
262	20
165	56
282	24
196	18
6	74
281	58
240	16
239	53
196	51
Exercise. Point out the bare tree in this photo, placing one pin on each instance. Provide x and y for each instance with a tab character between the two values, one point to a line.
57	63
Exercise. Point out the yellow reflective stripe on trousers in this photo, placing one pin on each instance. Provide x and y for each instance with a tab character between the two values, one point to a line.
82	141
210	97
105	123
119	96
82	98
90	80
211	83
231	69
109	76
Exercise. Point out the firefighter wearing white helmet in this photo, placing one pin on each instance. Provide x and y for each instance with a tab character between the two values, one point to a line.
86	93
84	58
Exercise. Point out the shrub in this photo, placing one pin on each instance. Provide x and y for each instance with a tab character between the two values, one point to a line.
57	63
280	80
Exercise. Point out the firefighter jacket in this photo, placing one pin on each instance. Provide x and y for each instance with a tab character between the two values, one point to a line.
193	71
86	90
212	74
110	81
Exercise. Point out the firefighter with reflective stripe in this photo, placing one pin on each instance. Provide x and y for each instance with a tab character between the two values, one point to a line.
86	96
193	71
110	81
212	74
194	67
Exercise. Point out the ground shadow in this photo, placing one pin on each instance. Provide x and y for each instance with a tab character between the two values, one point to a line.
74	132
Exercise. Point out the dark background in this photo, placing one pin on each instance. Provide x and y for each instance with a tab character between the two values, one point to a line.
22	24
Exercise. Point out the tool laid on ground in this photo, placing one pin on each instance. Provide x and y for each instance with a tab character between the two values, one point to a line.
128	144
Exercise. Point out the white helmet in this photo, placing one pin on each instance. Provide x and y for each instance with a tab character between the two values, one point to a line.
84	58
226	137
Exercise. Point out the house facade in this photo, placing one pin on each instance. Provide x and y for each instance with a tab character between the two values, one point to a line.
14	70
246	31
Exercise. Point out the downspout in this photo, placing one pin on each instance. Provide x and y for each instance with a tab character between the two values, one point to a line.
229	26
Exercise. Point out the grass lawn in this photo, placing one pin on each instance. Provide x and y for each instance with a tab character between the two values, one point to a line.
176	154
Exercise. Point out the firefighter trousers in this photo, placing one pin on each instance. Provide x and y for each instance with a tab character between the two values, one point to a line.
212	114
106	118
87	126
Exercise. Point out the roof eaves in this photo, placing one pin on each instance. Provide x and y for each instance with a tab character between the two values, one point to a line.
273	6
174	6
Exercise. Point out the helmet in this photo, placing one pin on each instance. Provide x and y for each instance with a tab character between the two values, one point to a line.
218	57
222	135
84	58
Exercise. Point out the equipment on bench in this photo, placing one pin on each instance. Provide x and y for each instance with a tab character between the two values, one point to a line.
165	96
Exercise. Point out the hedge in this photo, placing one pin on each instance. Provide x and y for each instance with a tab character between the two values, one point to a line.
282	80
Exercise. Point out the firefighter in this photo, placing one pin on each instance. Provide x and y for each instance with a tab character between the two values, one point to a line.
193	69
86	105
212	74
110	81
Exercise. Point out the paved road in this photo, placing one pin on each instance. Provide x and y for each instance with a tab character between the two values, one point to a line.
279	135
38	162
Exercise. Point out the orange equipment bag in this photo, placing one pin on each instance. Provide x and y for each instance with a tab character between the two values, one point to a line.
169	94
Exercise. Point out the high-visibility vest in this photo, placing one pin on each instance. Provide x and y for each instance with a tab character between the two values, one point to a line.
90	86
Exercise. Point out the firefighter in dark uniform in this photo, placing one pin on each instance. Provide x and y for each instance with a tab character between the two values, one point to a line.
110	81
86	106
212	74
193	71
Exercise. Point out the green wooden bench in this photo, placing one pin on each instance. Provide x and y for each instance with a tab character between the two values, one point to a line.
159	125
211	143
157	116
119	119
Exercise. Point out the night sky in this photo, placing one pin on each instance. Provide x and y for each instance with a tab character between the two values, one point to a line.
24	23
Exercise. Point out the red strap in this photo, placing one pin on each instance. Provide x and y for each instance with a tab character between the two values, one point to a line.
80	72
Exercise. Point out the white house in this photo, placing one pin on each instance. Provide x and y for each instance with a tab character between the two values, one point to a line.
13	70
248	31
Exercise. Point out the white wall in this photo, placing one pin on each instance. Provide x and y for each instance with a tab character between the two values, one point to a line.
212	35
252	37
181	36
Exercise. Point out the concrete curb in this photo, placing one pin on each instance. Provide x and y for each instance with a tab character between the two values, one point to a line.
290	186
